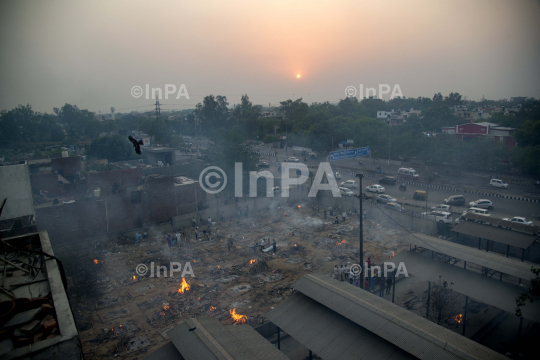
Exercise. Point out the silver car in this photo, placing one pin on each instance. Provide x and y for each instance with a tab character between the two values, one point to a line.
385	199
482	204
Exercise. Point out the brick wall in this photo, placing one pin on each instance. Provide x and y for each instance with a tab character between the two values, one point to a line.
106	179
46	182
73	222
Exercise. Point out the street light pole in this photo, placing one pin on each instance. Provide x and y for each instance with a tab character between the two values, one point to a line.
361	262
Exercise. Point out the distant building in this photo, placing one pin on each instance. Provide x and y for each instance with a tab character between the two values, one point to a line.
397	117
160	156
482	129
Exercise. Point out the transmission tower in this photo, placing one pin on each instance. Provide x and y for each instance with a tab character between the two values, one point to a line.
158	109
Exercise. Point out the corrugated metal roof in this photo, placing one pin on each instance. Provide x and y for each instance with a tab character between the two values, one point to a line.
488	259
213	340
477	286
493	233
408	331
330	335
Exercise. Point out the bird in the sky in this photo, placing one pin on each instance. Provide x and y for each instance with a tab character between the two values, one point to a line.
136	145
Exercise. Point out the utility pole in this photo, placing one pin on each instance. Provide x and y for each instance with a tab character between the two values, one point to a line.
361	262
389	140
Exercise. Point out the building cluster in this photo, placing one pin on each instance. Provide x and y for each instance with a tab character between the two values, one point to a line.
397	117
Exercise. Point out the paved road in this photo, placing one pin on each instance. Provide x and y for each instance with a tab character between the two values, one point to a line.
502	207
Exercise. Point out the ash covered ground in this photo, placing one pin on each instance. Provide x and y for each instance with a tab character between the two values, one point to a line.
122	313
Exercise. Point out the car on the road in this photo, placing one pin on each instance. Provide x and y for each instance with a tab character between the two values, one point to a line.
385	198
293	159
519	220
387	180
394	206
442	207
482	203
264	164
348	184
455	200
337	175
408	172
375	188
345	192
439	216
498	183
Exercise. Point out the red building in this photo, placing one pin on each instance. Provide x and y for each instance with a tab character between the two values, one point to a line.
482	129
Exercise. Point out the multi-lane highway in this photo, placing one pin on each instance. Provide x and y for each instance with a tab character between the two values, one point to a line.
502	207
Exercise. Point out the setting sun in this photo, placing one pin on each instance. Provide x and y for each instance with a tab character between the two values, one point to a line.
298	76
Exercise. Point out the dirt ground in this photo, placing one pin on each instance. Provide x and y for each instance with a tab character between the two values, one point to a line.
132	312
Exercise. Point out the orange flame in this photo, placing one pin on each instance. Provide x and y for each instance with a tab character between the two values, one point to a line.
162	313
240	319
96	261
212	308
166	307
252	261
218	267
184	286
133	277
378	224
299	206
339	243
458	318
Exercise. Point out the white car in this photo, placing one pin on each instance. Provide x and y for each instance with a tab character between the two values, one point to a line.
345	192
439	216
348	184
442	207
293	159
375	188
498	183
337	175
519	220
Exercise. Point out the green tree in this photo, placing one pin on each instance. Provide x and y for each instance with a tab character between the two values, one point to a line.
532	294
113	148
226	150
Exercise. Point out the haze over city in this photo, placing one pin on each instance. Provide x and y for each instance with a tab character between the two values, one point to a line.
92	53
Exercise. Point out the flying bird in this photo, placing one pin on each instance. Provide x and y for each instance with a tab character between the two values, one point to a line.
136	145
191	329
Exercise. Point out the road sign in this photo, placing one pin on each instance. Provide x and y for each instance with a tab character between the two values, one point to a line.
350	141
349	154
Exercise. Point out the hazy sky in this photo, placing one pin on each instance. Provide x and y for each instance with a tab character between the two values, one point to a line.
91	53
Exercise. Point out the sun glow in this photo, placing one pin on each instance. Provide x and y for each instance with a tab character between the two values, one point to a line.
298	76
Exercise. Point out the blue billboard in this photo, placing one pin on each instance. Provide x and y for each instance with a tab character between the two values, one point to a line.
349	154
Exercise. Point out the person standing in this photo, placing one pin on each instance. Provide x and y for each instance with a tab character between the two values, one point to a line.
263	243
366	284
346	272
337	221
169	241
341	272
230	244
209	221
356	282
193	221
336	272
382	285
344	215
274	245
196	234
388	284
178	238
368	262
137	238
